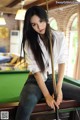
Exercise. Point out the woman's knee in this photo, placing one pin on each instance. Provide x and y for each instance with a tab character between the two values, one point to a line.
30	93
71	91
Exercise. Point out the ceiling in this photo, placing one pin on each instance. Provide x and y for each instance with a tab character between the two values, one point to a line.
11	6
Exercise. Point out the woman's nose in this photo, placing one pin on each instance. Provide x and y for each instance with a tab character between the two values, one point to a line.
39	27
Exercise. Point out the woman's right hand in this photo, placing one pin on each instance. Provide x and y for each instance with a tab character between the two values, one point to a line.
50	101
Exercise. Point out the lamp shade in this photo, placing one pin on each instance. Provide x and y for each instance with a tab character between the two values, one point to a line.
78	0
20	14
2	21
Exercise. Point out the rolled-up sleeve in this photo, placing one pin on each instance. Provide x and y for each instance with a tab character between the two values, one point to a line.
32	65
62	50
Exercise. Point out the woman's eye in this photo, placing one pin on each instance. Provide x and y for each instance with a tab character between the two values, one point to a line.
41	20
33	25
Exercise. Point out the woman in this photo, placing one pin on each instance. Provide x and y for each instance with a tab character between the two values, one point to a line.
36	37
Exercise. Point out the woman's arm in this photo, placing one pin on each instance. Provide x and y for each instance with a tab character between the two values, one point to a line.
61	69
49	99
35	70
61	59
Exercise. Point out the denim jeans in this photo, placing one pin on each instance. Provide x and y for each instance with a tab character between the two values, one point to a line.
31	95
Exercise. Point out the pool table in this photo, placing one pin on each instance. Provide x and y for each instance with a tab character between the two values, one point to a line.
11	83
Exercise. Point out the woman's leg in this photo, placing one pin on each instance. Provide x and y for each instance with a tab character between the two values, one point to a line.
30	95
71	92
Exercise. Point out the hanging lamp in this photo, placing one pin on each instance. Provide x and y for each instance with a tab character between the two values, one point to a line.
2	20
21	12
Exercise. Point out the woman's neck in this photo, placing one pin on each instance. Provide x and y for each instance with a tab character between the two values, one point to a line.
42	38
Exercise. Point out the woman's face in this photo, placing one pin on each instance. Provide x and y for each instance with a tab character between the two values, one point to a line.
38	24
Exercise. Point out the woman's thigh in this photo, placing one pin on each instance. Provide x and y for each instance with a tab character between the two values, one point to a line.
71	91
29	97
30	92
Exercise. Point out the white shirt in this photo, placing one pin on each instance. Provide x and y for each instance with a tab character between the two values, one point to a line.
59	54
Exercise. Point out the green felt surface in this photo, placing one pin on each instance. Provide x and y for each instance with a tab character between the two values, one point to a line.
11	84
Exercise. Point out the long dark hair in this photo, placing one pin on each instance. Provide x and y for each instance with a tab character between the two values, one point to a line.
31	36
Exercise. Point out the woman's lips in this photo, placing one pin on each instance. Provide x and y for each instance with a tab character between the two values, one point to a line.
41	30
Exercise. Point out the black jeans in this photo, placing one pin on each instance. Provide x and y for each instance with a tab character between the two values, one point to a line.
31	95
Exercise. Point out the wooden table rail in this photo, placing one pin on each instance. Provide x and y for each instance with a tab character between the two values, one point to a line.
42	109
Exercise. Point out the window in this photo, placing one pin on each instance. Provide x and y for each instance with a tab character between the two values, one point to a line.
53	23
73	44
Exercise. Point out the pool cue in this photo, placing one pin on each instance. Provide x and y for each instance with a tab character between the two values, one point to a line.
53	74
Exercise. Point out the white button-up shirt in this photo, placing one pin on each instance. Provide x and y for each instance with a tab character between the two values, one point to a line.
59	54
